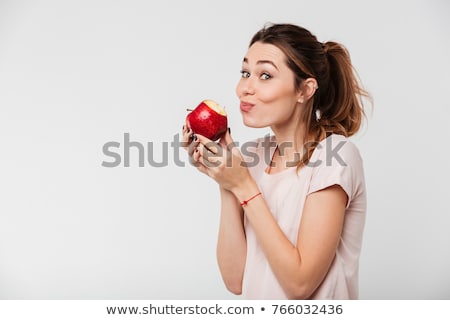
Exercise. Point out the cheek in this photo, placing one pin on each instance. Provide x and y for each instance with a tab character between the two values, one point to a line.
268	94
279	107
276	98
274	93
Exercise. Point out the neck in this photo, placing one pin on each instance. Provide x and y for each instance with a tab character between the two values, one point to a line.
289	143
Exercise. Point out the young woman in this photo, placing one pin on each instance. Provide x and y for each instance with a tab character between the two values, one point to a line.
293	205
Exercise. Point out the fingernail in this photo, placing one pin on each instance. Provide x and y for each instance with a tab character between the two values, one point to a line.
183	127
195	137
229	130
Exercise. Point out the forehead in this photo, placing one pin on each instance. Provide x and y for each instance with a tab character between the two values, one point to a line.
265	51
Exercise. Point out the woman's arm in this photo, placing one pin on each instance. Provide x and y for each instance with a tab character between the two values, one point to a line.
300	269
231	244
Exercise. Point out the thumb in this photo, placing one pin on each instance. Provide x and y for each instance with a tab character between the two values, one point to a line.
227	141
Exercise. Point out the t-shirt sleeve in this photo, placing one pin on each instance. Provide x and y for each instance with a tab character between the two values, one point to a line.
336	161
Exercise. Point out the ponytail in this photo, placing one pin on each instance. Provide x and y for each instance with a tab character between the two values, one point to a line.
341	108
337	106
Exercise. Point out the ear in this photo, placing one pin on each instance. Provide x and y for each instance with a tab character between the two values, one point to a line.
309	87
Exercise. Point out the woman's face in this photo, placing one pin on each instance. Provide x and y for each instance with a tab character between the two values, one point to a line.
267	88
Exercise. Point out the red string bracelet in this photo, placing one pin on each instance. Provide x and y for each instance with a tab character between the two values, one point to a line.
244	203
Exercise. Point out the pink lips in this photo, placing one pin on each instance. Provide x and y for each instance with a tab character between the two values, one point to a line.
246	107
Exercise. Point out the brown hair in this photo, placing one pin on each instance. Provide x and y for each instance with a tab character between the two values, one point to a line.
338	98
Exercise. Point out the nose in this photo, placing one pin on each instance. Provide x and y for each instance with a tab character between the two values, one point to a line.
245	87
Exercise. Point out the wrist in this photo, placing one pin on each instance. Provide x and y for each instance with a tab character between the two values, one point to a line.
245	190
224	191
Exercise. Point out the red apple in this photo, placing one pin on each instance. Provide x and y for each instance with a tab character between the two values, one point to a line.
208	119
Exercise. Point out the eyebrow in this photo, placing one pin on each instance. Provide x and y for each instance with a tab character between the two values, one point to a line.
262	62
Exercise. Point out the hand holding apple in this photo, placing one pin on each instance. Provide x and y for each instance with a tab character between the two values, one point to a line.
208	119
223	162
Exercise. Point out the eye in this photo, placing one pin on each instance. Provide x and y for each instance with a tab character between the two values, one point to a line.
245	74
265	76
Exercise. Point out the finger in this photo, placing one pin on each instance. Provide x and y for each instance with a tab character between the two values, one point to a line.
194	155
191	147
206	157
206	163
187	137
231	147
185	129
198	161
227	141
209	144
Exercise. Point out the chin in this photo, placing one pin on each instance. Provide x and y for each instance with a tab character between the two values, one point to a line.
253	123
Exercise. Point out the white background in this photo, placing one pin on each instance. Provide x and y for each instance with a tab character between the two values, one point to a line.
75	75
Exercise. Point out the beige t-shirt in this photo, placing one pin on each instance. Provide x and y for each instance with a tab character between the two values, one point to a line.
335	161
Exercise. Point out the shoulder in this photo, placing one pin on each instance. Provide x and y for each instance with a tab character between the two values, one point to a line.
336	150
337	161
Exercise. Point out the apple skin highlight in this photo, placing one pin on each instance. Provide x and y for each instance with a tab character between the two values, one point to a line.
208	119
